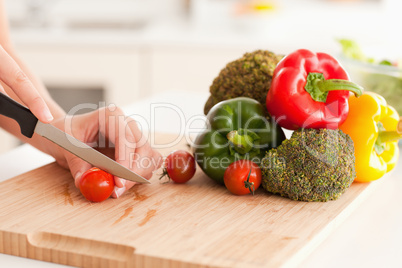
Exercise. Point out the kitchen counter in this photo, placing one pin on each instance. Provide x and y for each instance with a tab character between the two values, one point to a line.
369	237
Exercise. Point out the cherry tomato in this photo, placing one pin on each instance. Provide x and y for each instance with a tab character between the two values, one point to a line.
179	166
242	177
96	185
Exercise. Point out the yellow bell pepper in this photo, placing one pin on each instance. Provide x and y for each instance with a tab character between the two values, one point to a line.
375	130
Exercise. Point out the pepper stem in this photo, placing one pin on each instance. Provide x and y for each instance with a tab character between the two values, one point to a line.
388	136
385	136
248	184
242	140
318	87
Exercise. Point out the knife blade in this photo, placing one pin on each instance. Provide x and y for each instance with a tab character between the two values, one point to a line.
29	125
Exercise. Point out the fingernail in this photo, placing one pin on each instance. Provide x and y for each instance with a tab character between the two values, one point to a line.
77	176
48	115
119	191
120	181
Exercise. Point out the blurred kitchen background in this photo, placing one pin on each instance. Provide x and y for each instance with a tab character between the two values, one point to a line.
120	51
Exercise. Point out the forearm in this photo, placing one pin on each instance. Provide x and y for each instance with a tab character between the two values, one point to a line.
37	85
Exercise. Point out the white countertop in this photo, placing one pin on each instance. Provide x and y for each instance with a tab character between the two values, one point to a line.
370	237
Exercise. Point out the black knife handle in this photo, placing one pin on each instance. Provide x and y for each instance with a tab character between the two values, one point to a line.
19	113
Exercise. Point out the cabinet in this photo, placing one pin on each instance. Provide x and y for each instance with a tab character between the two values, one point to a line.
188	68
116	71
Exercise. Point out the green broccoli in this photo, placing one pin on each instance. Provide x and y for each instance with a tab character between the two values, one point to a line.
313	165
250	76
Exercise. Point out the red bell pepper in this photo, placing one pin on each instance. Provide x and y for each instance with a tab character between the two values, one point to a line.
310	90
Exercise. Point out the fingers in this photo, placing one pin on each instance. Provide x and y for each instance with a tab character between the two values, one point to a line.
145	162
132	150
2	90
77	167
12	75
126	145
84	127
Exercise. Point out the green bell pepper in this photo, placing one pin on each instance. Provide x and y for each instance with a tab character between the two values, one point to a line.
237	129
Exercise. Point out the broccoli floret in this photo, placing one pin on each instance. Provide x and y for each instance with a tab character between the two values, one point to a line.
313	165
249	76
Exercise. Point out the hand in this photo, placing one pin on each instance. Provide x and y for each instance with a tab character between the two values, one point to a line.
12	75
114	134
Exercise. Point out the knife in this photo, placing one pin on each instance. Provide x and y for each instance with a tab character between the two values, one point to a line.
29	125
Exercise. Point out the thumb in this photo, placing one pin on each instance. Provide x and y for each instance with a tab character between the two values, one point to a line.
77	167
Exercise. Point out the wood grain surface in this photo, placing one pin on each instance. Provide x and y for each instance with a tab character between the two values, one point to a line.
197	224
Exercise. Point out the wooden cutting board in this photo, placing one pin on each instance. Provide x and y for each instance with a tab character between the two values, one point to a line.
197	224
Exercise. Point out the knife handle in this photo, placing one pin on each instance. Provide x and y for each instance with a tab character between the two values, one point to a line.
20	113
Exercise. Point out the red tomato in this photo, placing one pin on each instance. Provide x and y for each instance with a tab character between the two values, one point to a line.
179	166
96	185
242	177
